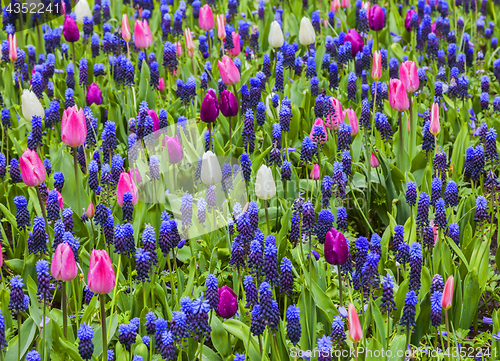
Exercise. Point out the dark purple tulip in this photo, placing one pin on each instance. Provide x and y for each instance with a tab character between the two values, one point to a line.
376	18
228	302
210	107
228	104
94	95
356	41
70	29
336	251
409	15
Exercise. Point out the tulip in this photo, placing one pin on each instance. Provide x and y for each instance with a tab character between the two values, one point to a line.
94	95
125	28
1	256
335	5
336	251
126	184
435	128
447	297
409	15
32	168
211	172
319	121
221	26
161	84
366	5
338	117
178	48
228	71
189	39
377	65
355	330
81	10
356	41
374	162
156	120
31	106
353	121
346	4
376	18
63	267
101	277
174	148
135	175
209	110
60	200
409	76
73	127
228	104
12	47
275	38
70	29
398	99
237	46
228	302
90	211
315	172
206	19
307	36
142	34
265	188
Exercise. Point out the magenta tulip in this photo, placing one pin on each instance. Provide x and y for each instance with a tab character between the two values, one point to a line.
356	41
228	71
374	162
376	18
209	107
156	120
228	302
126	184
60	200
73	127
206	19
409	15
228	104
32	168
336	251
398	99
409	76
63	267
142	34
70	29
1	256
101	278
94	95
174	147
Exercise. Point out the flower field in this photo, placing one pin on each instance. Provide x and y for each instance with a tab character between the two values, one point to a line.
228	180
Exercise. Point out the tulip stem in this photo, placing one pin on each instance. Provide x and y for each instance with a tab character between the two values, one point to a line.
103	328
75	164
42	206
43	325
209	126
401	145
340	285
267	216
447	332
64	309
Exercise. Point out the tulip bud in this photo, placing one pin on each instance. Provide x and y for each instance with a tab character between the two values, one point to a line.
142	34
12	47
335	5
94	95
161	84
374	162
334	121
221	26
206	19
178	48
377	65
228	71
211	172
307	36
228	104
174	148
73	127
209	110
189	39
376	18
156	120
321	123
81	10
336	251
31	106
346	4
228	302
32	168
409	76
315	172
91	210
126	184
398	99
125	28
265	188
1	255
101	277
435	128
70	30
353	121
447	297
355	330
63	267
237	46
275	35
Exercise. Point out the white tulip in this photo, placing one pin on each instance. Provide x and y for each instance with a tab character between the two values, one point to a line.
265	188
31	105
307	36
211	172
82	9
275	35
269	102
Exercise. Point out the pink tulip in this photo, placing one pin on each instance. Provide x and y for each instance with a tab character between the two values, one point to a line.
335	5
156	120
320	122
142	34
161	84
90	211
353	121
221	26
447	297
374	162
63	267
228	71
178	48
125	28
126	184
338	118
435	128
135	175
101	278
32	168
398	99
206	18
315	172
60	199
377	65
409	76
355	330
346	4
189	39
12	47
174	147
237	46
1	256
73	127
228	302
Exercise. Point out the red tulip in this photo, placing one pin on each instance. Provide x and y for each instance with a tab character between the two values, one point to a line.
377	65
228	302
142	34
409	76
63	267
237	46
174	147
32	168
319	121
336	251
73	127
353	121
206	19
315	172
13	47
374	162
398	99
70	29
435	128
447	297
126	184
101	278
228	71
355	330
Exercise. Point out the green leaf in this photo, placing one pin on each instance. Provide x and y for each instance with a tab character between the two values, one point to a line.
219	337
398	347
70	349
472	294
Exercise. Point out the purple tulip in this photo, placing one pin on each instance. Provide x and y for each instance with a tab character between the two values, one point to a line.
70	29
336	251
94	95
376	18
356	41
228	302
228	104
210	107
409	15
